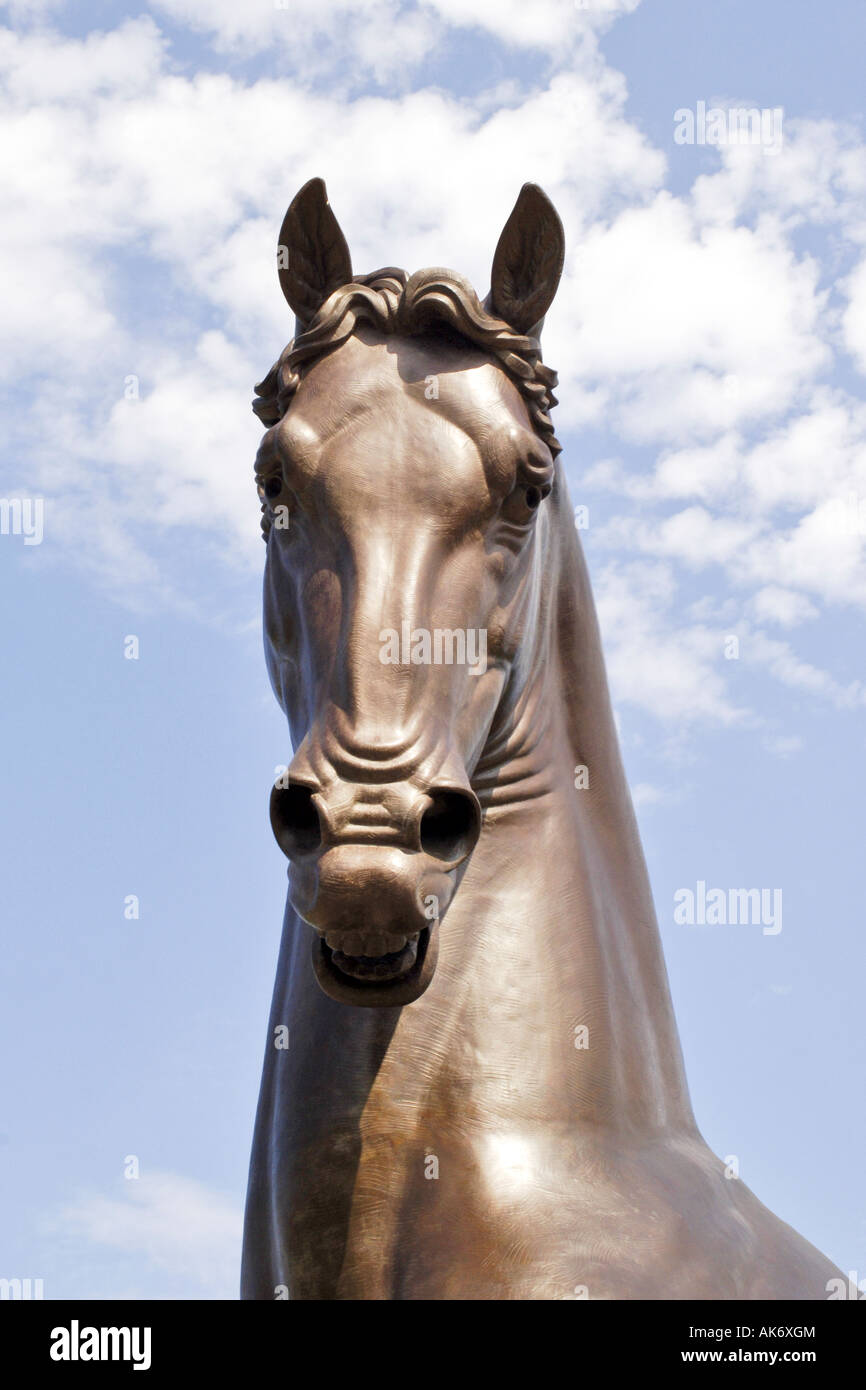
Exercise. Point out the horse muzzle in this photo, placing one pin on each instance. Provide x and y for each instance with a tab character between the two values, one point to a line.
374	888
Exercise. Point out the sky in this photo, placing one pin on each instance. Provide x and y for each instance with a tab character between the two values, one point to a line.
710	339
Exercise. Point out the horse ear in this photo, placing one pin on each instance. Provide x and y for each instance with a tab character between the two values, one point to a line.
312	257
528	262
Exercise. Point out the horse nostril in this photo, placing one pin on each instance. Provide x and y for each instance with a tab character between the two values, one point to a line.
295	820
450	826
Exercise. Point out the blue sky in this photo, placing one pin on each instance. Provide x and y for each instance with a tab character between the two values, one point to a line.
710	335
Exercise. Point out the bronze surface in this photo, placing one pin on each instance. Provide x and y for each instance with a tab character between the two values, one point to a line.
458	910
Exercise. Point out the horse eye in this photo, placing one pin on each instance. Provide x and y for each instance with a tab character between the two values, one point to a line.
525	499
272	489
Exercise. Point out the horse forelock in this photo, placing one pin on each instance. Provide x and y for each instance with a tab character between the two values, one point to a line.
393	302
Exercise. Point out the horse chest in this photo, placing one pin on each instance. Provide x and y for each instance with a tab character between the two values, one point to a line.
487	1217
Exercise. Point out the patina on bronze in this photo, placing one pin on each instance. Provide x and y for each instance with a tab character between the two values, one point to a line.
483	1094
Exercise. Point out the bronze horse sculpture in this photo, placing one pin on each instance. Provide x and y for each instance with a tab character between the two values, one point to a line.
473	1085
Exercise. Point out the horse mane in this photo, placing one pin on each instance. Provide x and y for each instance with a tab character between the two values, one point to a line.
395	303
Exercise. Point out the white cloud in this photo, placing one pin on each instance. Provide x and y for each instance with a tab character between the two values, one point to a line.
785	512
693	536
783	606
784	745
386	38
547	24
854	321
302	26
816	555
182	452
45	67
692	325
646	794
124	160
174	1224
818	177
792	670
691	328
673	671
55	311
31	9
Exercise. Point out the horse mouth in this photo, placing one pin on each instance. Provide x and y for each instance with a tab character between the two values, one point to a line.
388	967
396	978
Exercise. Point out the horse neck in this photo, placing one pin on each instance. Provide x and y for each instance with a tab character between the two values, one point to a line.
550	1002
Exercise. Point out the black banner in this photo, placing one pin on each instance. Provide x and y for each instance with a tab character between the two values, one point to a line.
155	1339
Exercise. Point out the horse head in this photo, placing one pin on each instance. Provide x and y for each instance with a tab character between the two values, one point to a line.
403	479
